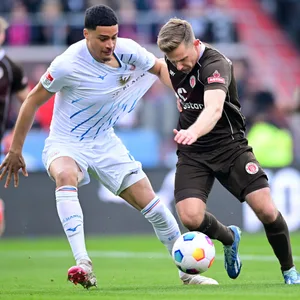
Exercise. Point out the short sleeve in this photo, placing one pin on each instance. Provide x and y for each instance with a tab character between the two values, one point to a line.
217	75
57	76
19	81
142	58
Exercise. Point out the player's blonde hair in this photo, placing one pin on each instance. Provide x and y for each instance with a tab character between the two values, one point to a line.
173	33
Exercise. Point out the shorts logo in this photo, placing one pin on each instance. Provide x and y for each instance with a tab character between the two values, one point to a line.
251	168
193	81
47	80
216	78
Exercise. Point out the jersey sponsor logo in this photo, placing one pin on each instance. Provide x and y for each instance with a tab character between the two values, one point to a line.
193	106
124	79
251	168
47	79
193	81
216	78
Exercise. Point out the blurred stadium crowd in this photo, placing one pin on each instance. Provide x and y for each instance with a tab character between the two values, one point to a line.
60	22
57	22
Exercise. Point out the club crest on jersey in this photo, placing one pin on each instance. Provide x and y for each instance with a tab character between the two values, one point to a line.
216	78
47	79
251	168
193	81
124	79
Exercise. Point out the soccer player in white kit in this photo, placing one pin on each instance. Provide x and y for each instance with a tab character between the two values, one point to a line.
96	80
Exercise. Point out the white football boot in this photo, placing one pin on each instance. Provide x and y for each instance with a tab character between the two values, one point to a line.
196	279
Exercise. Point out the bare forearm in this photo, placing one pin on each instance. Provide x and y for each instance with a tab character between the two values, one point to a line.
160	69
206	121
165	77
23	125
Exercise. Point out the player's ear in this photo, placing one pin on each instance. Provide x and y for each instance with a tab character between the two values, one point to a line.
197	42
85	33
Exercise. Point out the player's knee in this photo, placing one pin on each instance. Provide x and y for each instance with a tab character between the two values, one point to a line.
66	177
267	213
191	220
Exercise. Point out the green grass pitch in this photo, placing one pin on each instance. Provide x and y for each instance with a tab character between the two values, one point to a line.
136	267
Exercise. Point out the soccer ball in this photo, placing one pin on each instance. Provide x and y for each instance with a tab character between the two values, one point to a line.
193	252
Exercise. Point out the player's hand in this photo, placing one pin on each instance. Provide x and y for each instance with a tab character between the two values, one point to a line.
179	107
185	136
10	166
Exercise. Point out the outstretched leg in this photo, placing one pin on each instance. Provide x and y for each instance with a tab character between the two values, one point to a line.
142	197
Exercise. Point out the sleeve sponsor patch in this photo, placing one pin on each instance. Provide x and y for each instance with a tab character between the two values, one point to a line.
47	79
216	78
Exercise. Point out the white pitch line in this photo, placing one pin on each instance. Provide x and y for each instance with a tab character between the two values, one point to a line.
122	254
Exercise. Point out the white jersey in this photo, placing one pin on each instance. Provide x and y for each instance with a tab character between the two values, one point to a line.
91	96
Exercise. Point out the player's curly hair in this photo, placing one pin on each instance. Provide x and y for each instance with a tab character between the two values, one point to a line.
173	33
99	15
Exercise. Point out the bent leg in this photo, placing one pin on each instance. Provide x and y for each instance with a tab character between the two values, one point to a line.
193	215
141	196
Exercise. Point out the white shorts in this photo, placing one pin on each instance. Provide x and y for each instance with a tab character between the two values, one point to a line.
107	160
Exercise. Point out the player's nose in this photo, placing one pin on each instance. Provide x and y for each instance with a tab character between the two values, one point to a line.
110	44
179	66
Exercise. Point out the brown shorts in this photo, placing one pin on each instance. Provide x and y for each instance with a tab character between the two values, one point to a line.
235	166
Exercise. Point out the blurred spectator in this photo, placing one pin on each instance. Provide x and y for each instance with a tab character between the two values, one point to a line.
195	13
142	5
18	33
286	12
53	30
270	135
32	6
221	26
6	6
164	10
127	14
74	6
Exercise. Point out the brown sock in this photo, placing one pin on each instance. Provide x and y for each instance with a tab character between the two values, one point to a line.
216	230
279	238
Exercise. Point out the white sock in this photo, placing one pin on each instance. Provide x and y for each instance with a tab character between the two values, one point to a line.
71	217
163	222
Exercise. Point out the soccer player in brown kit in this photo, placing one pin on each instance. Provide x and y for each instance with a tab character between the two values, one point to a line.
212	144
12	81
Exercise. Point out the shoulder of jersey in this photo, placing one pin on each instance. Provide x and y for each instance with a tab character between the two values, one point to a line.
71	53
125	46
